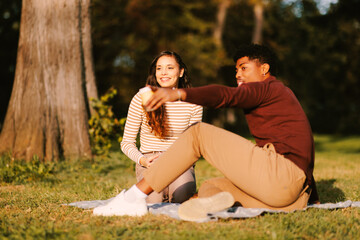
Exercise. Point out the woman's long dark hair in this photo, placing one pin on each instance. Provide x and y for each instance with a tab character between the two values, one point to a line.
157	119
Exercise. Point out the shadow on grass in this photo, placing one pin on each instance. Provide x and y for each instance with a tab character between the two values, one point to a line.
329	193
109	168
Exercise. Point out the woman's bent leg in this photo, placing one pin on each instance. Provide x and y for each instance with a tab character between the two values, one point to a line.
183	188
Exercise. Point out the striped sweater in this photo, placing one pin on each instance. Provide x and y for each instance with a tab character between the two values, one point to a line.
180	116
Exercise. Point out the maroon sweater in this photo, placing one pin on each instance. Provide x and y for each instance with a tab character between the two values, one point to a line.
273	113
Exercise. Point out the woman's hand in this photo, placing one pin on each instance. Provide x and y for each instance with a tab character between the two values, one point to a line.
148	161
163	95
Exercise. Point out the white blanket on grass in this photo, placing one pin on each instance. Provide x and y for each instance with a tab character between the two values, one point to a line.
171	209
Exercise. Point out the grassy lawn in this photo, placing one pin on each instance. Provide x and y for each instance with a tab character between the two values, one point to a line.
30	206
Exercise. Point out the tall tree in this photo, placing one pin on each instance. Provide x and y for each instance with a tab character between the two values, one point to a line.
227	115
258	19
223	6
86	51
48	110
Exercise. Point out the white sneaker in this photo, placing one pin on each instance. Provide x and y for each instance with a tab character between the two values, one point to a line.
119	206
197	209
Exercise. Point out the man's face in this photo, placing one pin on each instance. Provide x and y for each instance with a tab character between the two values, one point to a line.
248	71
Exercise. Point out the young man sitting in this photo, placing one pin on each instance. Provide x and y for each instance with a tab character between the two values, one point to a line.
275	173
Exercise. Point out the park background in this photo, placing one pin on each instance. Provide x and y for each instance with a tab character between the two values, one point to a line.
318	45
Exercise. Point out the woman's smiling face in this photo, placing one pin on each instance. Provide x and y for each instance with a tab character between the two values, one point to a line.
168	72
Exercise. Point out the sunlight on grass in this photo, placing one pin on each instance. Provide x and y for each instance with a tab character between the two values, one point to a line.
337	167
33	209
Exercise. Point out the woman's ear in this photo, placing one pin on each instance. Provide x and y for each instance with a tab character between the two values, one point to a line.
181	72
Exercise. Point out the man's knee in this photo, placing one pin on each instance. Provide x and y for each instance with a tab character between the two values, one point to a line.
193	126
210	187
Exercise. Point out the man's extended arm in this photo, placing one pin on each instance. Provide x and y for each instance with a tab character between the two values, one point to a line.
214	96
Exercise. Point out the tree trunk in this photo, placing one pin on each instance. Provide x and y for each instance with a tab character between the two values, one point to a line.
220	21
259	18
48	110
227	115
86	48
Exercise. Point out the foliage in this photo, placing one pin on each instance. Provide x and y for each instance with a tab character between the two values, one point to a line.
20	171
127	37
319	60
318	51
104	127
35	210
9	36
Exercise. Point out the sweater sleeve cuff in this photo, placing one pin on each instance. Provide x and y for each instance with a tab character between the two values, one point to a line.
138	159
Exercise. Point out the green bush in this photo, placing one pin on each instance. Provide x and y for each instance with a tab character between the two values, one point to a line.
103	126
21	171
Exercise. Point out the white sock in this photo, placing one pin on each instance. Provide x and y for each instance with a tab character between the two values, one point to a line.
134	193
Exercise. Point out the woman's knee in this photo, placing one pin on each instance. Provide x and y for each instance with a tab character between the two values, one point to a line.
183	192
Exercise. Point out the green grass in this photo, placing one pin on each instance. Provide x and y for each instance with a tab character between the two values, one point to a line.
30	208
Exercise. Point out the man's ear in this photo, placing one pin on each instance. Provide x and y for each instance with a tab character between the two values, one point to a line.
265	68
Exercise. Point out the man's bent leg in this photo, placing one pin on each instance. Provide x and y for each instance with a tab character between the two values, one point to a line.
260	172
214	144
153	197
175	161
215	185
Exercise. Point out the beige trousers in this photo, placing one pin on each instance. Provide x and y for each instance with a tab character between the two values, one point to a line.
256	173
178	191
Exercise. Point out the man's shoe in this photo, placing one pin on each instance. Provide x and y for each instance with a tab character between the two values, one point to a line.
119	206
198	208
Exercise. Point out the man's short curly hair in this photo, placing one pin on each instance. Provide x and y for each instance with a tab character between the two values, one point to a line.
258	52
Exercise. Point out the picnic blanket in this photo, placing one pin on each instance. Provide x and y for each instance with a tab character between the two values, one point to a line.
171	209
